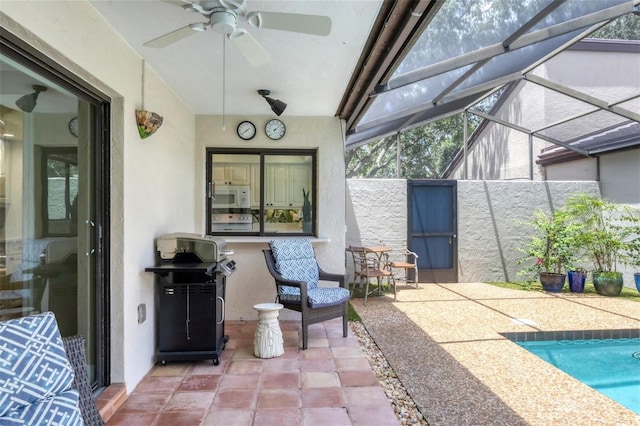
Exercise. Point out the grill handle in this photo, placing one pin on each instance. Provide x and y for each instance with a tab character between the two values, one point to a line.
221	309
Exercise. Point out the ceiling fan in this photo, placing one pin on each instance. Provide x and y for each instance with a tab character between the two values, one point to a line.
224	17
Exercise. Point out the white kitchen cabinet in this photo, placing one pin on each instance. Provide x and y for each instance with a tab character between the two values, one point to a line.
255	186
276	186
299	179
283	185
232	174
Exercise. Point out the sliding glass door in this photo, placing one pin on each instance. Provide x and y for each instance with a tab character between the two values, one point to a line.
52	204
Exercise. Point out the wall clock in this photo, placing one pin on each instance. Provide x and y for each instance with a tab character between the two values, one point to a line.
275	129
73	126
246	130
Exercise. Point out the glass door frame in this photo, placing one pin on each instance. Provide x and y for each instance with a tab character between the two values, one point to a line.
24	54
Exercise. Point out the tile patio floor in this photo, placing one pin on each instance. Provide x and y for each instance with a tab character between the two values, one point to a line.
330	383
445	343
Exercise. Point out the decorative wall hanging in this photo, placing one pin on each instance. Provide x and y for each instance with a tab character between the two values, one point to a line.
148	122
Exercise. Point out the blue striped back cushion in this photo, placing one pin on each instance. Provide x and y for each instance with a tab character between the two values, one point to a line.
35	375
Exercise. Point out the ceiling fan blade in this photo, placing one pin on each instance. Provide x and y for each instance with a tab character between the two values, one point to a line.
307	24
249	48
170	38
179	3
188	5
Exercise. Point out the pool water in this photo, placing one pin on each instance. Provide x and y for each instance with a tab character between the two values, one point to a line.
610	366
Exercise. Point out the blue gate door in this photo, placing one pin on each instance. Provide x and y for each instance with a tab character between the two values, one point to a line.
432	229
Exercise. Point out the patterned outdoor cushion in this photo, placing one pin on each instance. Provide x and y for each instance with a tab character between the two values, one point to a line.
321	296
35	375
60	410
295	260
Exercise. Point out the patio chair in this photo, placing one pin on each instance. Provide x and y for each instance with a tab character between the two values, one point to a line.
410	262
292	263
44	376
367	266
74	348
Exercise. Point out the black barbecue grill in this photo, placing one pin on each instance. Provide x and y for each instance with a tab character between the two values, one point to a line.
191	272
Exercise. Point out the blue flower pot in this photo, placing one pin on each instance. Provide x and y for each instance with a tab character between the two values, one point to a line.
552	282
576	281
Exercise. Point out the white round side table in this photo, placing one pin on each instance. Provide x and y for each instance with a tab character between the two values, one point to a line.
268	342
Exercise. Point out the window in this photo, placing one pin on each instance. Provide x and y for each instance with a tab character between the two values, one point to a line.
261	192
60	191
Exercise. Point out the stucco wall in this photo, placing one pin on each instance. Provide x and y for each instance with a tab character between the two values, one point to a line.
376	210
148	177
620	175
584	169
489	223
252	283
490	216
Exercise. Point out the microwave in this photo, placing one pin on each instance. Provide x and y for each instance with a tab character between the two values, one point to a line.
230	196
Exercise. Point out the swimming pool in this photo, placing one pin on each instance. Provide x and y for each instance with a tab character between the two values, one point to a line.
610	366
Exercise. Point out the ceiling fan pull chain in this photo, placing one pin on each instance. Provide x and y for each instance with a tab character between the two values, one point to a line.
224	72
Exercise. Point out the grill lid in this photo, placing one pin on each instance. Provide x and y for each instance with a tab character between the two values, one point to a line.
206	247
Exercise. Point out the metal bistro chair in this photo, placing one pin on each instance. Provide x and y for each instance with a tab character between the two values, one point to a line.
367	267
410	262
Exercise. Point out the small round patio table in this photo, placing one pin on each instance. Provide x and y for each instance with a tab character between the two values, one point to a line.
268	342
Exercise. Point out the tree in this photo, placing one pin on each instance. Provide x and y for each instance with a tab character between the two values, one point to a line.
426	151
626	27
375	159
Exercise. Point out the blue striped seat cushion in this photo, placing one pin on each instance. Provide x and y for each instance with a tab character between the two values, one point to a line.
35	376
295	260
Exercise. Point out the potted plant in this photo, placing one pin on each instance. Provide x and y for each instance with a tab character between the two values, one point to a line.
631	222
605	238
577	277
306	212
549	249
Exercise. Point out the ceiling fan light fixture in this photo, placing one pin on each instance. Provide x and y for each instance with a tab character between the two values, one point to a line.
223	21
28	102
277	106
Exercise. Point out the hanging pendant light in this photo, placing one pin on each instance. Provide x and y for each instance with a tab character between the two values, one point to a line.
28	102
277	106
148	122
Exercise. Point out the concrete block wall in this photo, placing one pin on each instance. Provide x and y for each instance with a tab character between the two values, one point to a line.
490	229
376	210
490	216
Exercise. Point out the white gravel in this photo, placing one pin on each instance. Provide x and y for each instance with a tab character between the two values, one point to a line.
401	402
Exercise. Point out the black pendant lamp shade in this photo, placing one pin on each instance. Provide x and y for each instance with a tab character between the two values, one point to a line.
28	102
277	106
